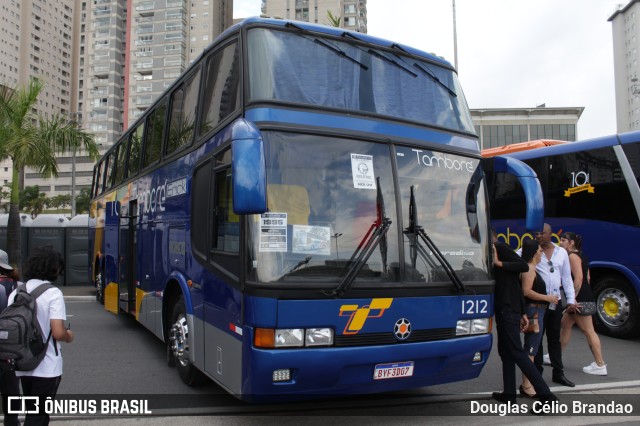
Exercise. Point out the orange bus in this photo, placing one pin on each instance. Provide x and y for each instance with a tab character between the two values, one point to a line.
522	146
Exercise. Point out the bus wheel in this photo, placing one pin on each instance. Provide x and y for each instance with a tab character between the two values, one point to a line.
618	313
178	346
100	287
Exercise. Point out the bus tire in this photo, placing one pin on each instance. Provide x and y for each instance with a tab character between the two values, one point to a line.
618	313
178	346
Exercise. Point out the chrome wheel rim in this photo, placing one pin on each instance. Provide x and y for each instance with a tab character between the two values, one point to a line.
614	307
179	337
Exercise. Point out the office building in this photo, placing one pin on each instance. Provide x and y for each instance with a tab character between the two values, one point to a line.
504	126
352	13
625	24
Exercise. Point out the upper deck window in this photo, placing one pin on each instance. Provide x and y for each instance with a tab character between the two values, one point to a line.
302	67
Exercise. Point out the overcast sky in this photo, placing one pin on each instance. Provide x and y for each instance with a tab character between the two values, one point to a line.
511	53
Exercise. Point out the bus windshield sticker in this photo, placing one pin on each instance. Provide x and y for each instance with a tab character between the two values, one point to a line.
362	171
273	232
311	240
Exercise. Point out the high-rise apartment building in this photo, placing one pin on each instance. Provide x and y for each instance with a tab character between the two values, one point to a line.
36	40
126	53
352	13
131	50
625	22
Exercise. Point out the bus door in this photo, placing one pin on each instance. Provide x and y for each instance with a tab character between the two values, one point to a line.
127	260
111	256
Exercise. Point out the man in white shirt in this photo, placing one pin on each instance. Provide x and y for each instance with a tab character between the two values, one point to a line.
43	266
555	269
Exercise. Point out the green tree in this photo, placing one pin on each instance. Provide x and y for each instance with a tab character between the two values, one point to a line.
36	205
59	201
33	141
334	20
5	194
28	194
83	200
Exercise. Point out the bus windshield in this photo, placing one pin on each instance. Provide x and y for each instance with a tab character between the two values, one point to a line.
353	77
324	203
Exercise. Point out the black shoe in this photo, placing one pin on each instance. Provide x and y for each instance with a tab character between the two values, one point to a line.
526	395
560	379
504	398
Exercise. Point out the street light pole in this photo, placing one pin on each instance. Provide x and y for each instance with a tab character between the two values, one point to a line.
336	236
455	37
77	120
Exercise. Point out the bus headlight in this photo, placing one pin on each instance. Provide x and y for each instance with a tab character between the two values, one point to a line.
480	326
270	338
473	326
289	337
319	337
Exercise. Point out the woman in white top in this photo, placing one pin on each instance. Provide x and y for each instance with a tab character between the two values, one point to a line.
43	266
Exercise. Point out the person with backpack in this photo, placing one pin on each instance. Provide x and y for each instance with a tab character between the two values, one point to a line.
43	267
9	383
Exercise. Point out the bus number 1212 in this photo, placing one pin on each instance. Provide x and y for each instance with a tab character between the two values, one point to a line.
471	307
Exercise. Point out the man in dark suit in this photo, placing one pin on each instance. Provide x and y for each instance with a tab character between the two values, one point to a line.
511	319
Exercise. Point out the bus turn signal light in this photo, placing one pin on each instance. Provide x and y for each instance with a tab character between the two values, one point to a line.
264	338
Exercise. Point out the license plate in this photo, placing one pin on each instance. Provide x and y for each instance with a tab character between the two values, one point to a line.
393	371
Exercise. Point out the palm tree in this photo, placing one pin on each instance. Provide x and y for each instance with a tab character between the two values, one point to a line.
33	141
334	20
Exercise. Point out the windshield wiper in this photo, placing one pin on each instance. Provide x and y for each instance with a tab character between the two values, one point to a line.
415	231
427	72
435	79
391	61
328	45
376	235
301	263
340	52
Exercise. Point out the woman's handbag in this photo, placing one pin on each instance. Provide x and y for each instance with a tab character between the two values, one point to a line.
587	308
534	326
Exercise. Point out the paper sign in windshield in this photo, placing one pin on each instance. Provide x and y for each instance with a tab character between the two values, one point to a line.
311	239
362	171
273	232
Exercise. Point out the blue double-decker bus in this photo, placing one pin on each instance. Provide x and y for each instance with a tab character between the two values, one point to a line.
304	212
590	187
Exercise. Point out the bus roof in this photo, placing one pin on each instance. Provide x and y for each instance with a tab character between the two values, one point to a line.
559	149
521	146
333	31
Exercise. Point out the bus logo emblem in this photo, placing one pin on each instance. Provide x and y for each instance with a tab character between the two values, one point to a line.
402	329
358	315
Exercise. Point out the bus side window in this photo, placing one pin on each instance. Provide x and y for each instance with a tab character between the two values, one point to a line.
121	163
226	224
113	167
183	114
107	173
215	228
224	234
96	180
200	210
135	144
221	88
155	135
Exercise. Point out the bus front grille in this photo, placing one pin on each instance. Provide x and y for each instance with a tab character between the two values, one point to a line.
389	338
